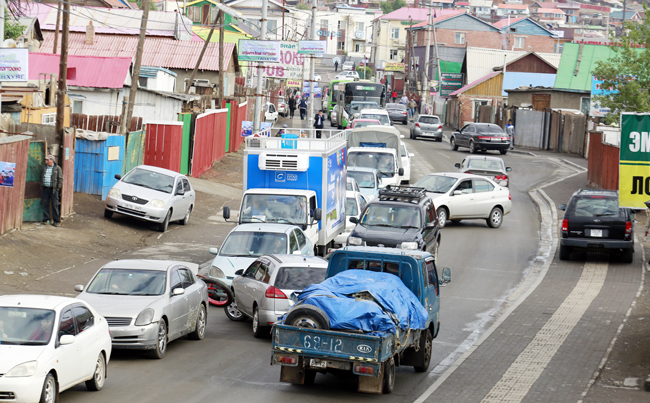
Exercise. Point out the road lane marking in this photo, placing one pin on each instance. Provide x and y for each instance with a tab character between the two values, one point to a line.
531	363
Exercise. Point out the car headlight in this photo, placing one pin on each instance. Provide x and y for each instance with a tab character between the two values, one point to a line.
115	193
155	203
409	245
216	272
353	240
145	317
23	370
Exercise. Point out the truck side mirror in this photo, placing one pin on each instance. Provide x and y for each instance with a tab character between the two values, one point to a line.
446	276
226	213
562	207
400	172
354	220
457	165
318	214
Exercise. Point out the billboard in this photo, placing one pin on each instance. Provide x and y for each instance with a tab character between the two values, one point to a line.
634	160
335	198
258	51
312	47
14	64
292	65
450	83
393	66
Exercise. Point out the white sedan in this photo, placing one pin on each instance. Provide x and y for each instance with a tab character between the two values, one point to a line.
406	164
458	196
49	344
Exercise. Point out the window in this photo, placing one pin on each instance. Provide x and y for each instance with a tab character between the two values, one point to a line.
340	25
340	46
271	26
260	274
459	38
66	325
324	25
194	14
252	269
429	214
557	47
77	106
186	277
482	186
432	274
359	26
302	241
394	33
465	186
176	281
186	185
362	203
520	41
359	47
48	119
585	105
84	317
142	82
179	187
293	243
393	54
546	15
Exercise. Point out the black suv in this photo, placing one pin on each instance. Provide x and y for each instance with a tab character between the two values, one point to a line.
594	221
401	217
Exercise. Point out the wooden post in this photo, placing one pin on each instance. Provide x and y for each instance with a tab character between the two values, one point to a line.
205	46
61	89
56	31
222	90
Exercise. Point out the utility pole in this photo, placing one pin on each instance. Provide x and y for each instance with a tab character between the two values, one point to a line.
435	46
2	35
126	121
222	90
205	46
312	36
56	30
61	87
427	54
260	65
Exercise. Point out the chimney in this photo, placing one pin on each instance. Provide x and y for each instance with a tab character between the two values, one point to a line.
90	33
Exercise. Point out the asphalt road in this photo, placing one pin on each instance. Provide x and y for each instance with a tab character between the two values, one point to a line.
231	365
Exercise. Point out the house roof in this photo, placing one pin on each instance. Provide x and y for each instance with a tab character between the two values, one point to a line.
514	79
462	3
572	5
91	71
481	61
445	17
547	4
513	6
550	11
576	75
418	14
522	20
481	3
475	83
618	14
504	23
159	52
443	1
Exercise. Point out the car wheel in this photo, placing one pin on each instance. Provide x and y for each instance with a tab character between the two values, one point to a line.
308	316
453	144
406	122
99	376
259	331
233	313
503	152
162	227
472	148
442	216
565	252
186	219
201	323
161	341
496	218
628	255
389	376
426	342
108	214
50	392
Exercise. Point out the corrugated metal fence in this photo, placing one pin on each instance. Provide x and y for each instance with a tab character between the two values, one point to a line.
14	150
603	163
97	164
164	144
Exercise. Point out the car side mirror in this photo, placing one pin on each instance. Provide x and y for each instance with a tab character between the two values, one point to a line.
79	288
400	172
318	214
562	207
446	276
457	165
354	220
458	192
239	272
180	192
214	251
118	176
226	213
178	291
431	225
508	169
66	339
402	136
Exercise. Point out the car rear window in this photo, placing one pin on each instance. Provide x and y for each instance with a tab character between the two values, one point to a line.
598	206
430	120
489	128
298	278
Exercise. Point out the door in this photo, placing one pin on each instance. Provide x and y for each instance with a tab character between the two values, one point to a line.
32	210
429	234
312	230
69	356
181	201
304	245
88	338
432	290
257	285
244	286
467	134
462	205
179	306
193	294
484	197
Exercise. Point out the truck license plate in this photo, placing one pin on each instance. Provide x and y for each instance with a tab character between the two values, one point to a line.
315	363
596	232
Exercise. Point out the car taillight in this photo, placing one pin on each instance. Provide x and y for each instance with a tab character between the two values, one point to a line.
404	113
501	177
363	369
417	125
439	127
509	196
287	360
273	292
565	225
628	227
484	137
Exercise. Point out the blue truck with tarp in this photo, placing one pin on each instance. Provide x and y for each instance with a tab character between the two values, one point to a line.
377	309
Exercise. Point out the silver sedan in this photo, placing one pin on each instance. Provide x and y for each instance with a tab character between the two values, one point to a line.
148	303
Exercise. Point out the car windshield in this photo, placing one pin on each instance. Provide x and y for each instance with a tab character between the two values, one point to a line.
391	216
430	120
298	278
366	123
128	282
436	183
150	179
384	162
26	326
491	165
365	180
489	128
383	119
274	208
351	208
590	206
357	106
254	244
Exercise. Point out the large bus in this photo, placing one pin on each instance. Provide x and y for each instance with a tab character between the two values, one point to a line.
365	94
336	87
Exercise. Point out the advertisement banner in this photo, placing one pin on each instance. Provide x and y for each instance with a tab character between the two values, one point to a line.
7	172
14	64
595	108
294	83
335	215
393	66
312	47
450	83
258	51
291	65
246	128
634	160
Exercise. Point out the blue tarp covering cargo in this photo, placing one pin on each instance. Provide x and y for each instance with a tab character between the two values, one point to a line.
395	306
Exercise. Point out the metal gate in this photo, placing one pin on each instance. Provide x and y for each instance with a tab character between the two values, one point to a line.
32	209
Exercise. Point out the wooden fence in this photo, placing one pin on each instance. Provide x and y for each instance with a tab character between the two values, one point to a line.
103	123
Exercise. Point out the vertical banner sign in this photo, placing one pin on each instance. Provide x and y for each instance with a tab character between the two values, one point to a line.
335	198
634	160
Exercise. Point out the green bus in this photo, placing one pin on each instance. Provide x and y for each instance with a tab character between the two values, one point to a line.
363	93
332	96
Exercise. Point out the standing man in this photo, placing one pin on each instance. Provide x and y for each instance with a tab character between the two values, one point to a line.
319	123
354	66
336	65
292	106
404	100
394	96
510	130
411	108
51	182
303	108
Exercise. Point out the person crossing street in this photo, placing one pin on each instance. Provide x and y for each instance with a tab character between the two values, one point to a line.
302	105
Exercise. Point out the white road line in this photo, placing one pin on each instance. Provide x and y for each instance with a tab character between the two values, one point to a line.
527	368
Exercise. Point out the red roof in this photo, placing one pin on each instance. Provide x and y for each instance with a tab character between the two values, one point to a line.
504	23
550	11
91	71
462	3
418	14
513	6
437	19
597	8
158	52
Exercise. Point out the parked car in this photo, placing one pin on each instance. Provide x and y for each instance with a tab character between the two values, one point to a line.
458	196
347	75
347	65
364	122
401	217
263	290
149	303
593	220
406	164
354	205
152	194
377	114
369	180
490	167
316	77
397	113
49	344
283	107
428	126
270	113
481	137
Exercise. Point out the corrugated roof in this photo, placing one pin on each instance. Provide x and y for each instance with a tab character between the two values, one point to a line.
512	80
513	6
159	52
93	72
442	18
418	14
475	83
481	61
550	11
547	4
504	23
566	77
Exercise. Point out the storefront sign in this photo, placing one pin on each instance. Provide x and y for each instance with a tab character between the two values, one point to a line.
393	66
634	160
294	83
450	83
312	47
14	64
259	51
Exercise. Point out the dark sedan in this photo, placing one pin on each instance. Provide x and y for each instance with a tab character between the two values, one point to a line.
397	113
480	137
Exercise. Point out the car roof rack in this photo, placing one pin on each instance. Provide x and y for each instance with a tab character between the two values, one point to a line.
402	193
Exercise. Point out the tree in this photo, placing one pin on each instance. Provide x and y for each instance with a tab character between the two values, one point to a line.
626	73
13	28
388	6
303	6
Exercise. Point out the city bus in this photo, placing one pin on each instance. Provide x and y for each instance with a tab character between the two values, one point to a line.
364	93
336	86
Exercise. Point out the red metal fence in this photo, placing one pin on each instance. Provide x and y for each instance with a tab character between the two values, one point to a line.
163	145
603	163
14	150
237	115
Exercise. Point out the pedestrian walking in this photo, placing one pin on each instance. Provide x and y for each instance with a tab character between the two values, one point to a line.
319	123
354	66
394	96
336	65
51	182
510	130
411	108
405	100
292	106
303	108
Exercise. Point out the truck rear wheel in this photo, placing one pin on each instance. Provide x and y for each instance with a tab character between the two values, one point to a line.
426	344
389	376
308	316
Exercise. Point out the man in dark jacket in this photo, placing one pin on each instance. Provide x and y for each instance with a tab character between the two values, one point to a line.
51	182
319	122
292	106
302	105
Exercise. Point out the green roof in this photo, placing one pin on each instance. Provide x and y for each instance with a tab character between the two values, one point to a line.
566	72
